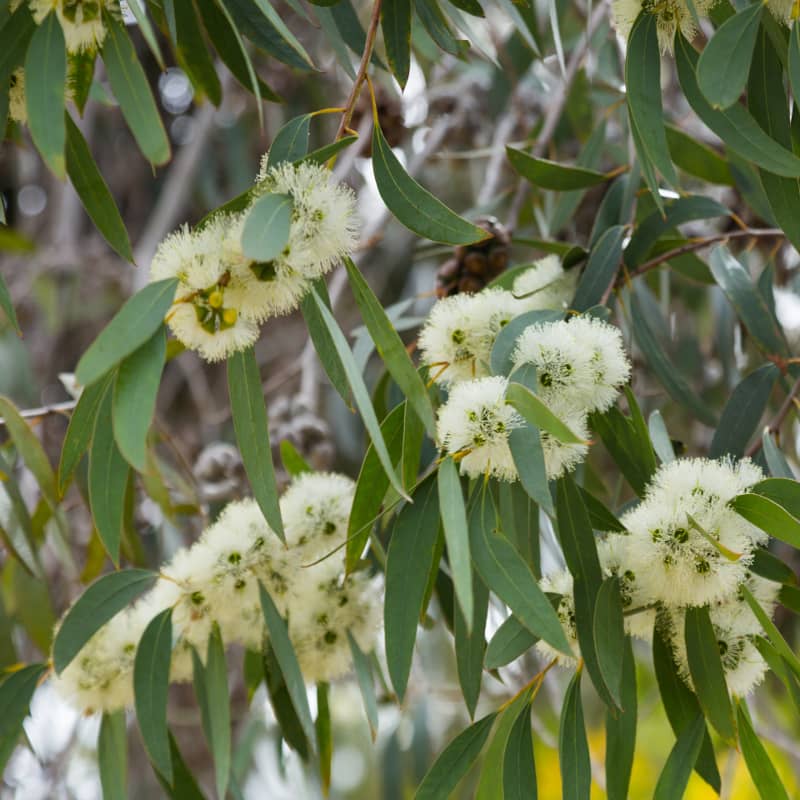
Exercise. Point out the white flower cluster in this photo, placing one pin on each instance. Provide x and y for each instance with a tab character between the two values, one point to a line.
580	366
458	337
223	295
216	581
684	546
81	20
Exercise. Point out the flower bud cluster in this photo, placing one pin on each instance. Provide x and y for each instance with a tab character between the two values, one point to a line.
684	546
223	295
216	581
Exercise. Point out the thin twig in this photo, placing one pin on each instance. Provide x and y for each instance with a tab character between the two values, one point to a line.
44	411
556	107
779	418
362	70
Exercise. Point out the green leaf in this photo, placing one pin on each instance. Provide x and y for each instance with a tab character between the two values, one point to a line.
360	394
769	516
526	450
414	206
396	28
16	692
211	689
765	777
676	212
609	637
112	755
45	78
133	325
259	22
266	227
290	142
31	450
580	552
80	429
252	433
735	126
130	87
293	462
139	11
287	659
743	412
794	60
409	561
454	523
327	151
371	487
766	100
621	731
747	301
391	349
455	761
108	480
436	26
775	636
675	776
657	359
292	730
552	175
493	759
538	414
509	642
506	573
573	748
776	461
324	736
323	341
232	51
134	403
601	518
769	566
15	36
705	667
519	768
365	684
183	785
681	706
97	605
642	73
470	645
697	159
601	269
193	52
93	191
724	64
150	690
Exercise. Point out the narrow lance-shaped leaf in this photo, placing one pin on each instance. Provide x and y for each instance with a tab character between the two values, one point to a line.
409	560
765	777
675	776
724	64
519	769
96	606
552	175
396	27
621	731
16	692
93	191
134	400
601	269
150	689
133	325
112	756
454	762
454	523
794	60
609	637
108	480
129	84
252	433
573	748
365	684
360	394
705	667
194	53
390	348
414	206
287	659
768	515
290	142
45	78
470	645
538	414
